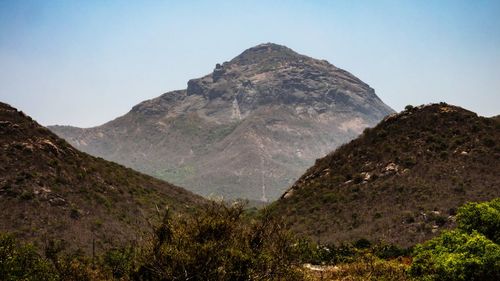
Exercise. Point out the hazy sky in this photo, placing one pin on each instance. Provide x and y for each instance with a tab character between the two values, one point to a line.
86	62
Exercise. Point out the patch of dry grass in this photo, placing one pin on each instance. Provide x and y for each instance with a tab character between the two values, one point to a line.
367	267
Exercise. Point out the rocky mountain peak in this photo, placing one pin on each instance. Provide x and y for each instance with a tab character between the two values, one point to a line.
246	130
265	52
271	74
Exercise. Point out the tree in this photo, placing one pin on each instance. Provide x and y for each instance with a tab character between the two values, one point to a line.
471	252
483	217
218	243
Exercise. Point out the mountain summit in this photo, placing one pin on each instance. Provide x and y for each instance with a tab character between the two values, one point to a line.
247	130
267	51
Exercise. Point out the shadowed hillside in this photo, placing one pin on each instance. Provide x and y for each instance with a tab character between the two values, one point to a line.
49	190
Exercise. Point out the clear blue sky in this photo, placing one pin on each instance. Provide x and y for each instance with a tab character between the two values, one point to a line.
86	62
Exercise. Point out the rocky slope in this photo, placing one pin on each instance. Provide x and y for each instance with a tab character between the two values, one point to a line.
49	190
247	130
399	182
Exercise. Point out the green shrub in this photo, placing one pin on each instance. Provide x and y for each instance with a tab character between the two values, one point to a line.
78	267
27	195
388	251
358	178
483	217
22	262
489	142
119	262
437	218
409	107
348	253
362	243
455	255
471	252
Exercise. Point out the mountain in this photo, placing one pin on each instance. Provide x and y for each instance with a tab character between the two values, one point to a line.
400	182
247	130
49	190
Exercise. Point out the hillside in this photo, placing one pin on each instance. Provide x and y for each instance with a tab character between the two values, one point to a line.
399	182
49	190
248	129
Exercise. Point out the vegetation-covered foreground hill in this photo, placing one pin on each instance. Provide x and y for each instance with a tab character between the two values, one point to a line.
399	182
49	190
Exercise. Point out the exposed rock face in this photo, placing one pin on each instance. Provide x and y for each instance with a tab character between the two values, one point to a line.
246	130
